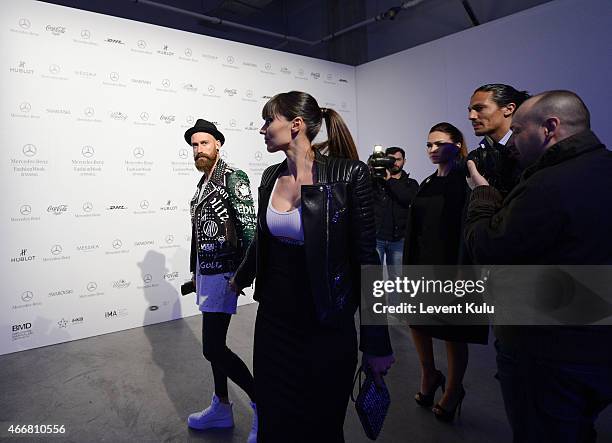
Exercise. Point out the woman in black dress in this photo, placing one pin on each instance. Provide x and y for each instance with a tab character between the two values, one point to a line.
433	237
315	227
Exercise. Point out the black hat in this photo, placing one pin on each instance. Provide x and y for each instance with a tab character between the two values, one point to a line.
204	126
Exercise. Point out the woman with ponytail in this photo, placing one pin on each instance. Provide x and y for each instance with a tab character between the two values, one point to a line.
315	228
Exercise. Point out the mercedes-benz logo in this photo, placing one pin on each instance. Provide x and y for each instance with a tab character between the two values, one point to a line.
166	83
87	151
89	112
169	238
29	150
24	23
144	204
117	243
258	155
139	152
268	66
25	210
144	116
232	123
85	34
27	296
87	207
230	59
189	119
54	69
211	89
114	76
183	153
188	52
249	93
56	249
141	44
147	278
25	107
92	286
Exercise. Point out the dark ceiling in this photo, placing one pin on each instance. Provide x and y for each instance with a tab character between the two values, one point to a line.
393	25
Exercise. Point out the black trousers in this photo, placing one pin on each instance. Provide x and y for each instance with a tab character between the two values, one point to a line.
225	364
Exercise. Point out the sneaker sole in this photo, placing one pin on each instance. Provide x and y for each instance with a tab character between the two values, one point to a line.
210	425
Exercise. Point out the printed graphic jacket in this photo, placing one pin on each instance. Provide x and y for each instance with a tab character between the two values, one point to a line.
222	220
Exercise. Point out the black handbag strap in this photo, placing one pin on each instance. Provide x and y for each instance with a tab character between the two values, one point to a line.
357	379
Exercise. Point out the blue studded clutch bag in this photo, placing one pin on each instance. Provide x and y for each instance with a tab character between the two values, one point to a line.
371	404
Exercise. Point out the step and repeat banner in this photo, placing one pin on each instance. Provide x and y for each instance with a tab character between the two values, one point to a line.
96	176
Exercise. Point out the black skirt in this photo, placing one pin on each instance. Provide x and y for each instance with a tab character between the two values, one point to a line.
303	371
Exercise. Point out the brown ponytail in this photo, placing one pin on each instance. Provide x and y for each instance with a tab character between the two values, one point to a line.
340	143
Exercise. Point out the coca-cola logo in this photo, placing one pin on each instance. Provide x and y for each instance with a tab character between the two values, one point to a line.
55	30
167	118
58	209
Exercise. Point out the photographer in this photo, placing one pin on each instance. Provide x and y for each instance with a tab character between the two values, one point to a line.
394	191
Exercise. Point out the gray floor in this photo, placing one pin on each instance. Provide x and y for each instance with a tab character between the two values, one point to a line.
140	385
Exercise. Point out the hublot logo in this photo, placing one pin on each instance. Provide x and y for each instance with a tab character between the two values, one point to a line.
23	257
169	206
165	51
22	69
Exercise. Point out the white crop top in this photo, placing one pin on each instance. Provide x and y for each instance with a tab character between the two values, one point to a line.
286	226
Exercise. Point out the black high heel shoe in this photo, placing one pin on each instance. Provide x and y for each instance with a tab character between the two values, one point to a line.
427	400
449	415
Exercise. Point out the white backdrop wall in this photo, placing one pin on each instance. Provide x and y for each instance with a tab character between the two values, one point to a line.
564	44
97	176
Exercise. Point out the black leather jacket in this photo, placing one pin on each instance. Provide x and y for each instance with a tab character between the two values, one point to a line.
339	236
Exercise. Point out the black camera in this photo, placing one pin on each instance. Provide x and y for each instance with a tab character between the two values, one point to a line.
379	162
188	287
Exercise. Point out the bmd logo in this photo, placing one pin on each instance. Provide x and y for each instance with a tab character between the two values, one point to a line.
22	327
